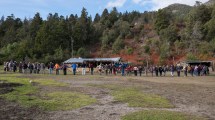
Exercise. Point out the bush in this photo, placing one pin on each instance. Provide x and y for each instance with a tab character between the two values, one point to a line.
147	49
191	56
82	52
130	51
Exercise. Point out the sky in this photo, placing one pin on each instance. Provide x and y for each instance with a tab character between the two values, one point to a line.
27	8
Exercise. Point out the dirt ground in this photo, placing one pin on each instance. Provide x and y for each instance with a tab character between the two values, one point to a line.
191	95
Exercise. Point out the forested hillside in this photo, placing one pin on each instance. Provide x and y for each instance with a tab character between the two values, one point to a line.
176	32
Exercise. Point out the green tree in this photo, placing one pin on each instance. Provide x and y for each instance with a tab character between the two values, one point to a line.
169	34
162	20
82	52
118	45
191	56
97	18
35	25
113	16
58	56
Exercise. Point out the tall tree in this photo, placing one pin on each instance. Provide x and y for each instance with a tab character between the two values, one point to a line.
162	20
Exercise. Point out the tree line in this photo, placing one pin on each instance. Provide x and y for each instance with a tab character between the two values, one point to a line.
163	32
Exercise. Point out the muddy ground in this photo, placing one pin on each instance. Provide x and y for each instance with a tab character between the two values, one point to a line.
191	95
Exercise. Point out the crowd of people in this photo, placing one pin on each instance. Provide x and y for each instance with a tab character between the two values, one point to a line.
106	69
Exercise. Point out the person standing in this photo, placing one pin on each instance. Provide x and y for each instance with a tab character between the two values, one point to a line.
100	69
123	69
5	66
135	70
106	69
114	69
57	67
38	68
91	68
196	70
191	70
164	70
43	68
14	66
83	69
172	69
24	68
178	69
140	70
152	70
64	67
156	71
74	67
160	70
51	66
185	70
31	67
111	69
20	67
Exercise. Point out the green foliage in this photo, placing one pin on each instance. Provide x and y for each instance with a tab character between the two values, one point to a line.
212	46
48	58
162	20
50	39
164	53
209	26
147	49
179	46
123	27
179	11
169	34
159	115
58	56
130	51
82	52
191	56
118	45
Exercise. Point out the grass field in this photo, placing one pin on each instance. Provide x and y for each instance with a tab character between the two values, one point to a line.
29	94
106	97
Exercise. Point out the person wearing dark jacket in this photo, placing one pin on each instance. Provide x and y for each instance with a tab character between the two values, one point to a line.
64	67
178	69
140	68
160	70
156	70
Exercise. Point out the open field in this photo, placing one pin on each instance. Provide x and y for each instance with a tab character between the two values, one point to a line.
96	97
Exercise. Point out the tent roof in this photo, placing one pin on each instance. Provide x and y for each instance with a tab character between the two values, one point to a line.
81	60
199	62
74	60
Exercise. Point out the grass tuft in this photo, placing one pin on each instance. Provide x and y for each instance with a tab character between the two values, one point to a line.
135	98
159	115
50	83
29	95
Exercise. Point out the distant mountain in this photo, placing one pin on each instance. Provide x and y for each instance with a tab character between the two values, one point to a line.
179	10
210	2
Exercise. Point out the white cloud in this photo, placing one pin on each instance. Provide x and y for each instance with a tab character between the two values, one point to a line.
165	3
137	1
116	3
159	4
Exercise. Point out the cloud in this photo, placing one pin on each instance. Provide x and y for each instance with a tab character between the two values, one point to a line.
137	1
159	4
116	3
